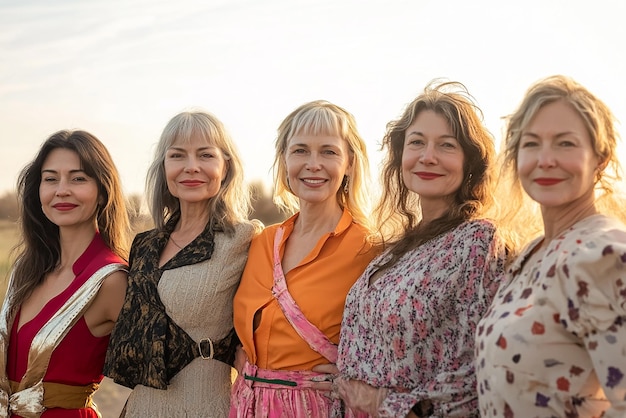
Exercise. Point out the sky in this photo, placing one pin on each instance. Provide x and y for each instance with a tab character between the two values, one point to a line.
121	69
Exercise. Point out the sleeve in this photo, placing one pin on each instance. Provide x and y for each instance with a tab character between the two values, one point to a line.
594	280
453	391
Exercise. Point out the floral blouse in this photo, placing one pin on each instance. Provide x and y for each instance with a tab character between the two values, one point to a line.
412	331
554	341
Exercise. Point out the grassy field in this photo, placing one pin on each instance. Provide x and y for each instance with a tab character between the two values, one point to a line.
110	397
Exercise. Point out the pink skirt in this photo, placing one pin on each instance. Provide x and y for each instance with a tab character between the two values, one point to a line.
282	394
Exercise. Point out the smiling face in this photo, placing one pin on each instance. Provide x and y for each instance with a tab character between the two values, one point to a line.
432	159
194	170
69	197
316	166
556	161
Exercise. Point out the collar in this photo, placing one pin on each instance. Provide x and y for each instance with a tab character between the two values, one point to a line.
97	244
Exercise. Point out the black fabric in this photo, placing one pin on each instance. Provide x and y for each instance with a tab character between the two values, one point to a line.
147	347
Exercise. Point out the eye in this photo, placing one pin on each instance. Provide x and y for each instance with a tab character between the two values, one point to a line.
79	179
330	152
567	143
298	151
174	155
449	145
48	179
415	142
529	143
207	155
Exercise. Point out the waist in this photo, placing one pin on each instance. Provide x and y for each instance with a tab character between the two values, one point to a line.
59	395
279	378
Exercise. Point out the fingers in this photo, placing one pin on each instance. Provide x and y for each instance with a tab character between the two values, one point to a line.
326	368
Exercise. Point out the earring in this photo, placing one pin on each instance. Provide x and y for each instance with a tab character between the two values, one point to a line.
346	184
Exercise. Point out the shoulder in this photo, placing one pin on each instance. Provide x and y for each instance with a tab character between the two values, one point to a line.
474	231
589	262
244	232
118	280
143	237
599	239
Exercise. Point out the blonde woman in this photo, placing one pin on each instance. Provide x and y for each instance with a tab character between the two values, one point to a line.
553	342
288	307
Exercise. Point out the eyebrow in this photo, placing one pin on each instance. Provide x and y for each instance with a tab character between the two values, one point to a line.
198	149
557	136
322	146
421	134
49	170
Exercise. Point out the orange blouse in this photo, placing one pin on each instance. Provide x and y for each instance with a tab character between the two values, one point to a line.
319	285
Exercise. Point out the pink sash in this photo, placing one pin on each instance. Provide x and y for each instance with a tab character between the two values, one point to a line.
260	392
307	331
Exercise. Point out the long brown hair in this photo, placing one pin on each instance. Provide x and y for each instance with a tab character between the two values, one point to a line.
398	212
39	250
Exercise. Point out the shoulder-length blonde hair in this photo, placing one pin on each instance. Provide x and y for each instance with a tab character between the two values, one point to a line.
600	124
231	205
320	117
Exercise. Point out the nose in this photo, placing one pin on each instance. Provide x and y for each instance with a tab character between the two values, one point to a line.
62	188
191	166
428	155
545	158
313	162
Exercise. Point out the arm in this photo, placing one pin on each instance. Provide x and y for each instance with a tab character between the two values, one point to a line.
597	312
104	310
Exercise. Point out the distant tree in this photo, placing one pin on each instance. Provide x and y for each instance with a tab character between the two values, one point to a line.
263	207
8	207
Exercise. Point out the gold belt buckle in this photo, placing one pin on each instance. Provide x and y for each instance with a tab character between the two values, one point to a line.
211	350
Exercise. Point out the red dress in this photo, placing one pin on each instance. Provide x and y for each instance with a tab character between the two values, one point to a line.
79	357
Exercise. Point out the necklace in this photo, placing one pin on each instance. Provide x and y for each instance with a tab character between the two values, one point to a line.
175	243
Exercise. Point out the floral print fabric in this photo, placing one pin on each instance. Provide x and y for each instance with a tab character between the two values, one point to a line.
412	330
554	342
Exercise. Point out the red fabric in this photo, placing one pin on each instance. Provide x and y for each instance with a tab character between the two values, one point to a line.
79	358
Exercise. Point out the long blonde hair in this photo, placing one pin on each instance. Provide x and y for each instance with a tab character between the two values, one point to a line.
600	124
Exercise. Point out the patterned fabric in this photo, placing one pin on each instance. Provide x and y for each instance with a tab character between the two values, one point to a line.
412	331
281	394
147	347
554	341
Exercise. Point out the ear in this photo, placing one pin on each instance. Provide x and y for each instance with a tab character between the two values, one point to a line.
225	170
350	167
602	163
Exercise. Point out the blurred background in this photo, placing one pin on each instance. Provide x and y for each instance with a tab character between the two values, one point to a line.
122	68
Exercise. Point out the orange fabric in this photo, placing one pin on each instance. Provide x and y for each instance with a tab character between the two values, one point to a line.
319	285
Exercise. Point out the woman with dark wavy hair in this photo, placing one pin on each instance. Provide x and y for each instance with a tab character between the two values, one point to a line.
406	346
68	284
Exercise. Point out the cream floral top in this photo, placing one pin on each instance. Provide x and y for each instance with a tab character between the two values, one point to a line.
553	343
